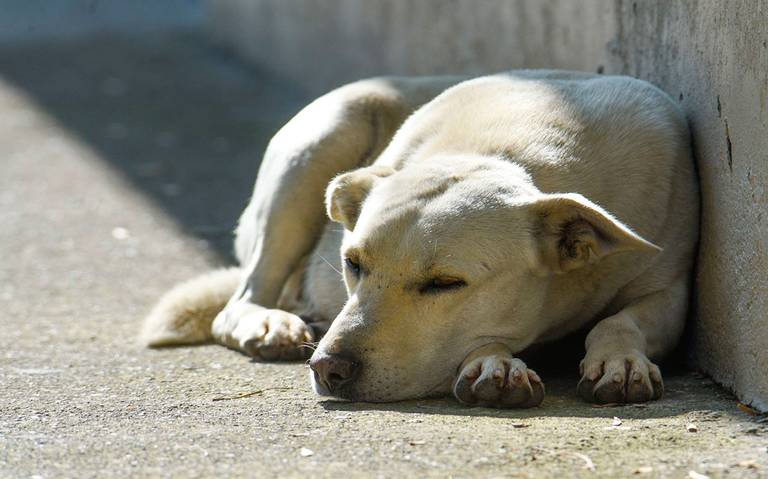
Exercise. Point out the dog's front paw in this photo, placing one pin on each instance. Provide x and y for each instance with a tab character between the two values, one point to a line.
498	381
620	378
273	334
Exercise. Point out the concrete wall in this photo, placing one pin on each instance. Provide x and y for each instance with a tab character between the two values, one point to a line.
35	19
711	56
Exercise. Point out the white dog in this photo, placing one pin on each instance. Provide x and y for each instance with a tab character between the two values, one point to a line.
472	219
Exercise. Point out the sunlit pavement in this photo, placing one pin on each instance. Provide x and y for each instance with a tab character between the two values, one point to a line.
124	162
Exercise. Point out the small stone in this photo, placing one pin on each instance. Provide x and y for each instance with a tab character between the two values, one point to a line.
616	421
120	233
306	452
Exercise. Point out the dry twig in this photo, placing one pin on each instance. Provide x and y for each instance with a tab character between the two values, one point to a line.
249	394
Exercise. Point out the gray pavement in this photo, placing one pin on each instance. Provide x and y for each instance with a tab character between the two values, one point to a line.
124	162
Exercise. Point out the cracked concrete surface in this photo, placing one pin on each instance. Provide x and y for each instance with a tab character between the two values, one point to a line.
124	162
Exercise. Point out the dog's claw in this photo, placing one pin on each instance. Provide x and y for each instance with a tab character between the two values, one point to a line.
630	378
496	381
273	334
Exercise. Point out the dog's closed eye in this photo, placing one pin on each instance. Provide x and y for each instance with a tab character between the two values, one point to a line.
353	266
442	285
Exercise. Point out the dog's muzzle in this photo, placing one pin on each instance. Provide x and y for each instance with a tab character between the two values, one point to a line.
331	372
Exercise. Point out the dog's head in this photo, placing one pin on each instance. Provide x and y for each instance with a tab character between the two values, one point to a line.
441	258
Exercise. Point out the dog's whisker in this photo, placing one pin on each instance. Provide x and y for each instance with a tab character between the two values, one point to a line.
329	264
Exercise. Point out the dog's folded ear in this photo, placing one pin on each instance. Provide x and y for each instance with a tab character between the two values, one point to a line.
573	232
346	193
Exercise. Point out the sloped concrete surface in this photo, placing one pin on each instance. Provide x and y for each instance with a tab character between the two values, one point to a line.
123	165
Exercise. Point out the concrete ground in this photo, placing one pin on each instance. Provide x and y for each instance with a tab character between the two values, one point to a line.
124	162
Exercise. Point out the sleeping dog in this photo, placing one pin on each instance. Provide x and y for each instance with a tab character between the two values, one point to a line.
429	229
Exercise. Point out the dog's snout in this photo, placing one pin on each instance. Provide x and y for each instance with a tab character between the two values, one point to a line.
333	371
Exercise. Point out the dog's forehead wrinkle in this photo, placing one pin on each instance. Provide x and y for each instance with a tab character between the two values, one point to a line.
443	174
430	239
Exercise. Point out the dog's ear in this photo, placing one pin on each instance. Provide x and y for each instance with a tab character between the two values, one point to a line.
572	232
346	193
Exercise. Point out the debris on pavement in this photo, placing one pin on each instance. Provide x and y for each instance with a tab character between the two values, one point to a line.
120	233
748	409
749	464
249	394
306	452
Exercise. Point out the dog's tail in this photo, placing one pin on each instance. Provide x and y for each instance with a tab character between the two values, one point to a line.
185	313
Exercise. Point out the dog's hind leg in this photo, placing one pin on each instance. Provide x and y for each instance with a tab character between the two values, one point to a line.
340	131
185	313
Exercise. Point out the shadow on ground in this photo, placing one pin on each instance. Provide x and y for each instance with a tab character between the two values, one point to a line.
684	393
184	122
557	363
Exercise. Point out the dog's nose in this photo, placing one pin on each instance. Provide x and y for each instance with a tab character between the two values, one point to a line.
333	370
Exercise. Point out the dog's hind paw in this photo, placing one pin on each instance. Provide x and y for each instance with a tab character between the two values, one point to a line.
498	381
274	334
620	378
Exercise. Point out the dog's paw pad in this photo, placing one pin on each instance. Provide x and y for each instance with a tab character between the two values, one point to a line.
627	378
496	381
273	334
